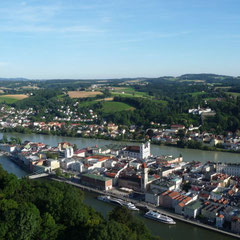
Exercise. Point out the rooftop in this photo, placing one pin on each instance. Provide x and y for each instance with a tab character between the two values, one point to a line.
195	205
96	177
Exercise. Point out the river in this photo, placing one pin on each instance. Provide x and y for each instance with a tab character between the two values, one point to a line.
180	230
188	154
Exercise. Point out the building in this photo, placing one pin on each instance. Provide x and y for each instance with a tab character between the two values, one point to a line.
210	211
131	182
68	152
63	145
193	209
235	225
220	221
200	111
167	160
141	152
230	169
144	179
152	197
7	148
163	185
96	181
53	164
145	151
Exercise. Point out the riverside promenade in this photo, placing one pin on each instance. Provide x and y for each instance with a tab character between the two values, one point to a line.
145	205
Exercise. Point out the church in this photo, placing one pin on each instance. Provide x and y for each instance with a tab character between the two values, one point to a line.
141	152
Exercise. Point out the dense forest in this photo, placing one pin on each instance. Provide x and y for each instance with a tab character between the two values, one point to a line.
43	210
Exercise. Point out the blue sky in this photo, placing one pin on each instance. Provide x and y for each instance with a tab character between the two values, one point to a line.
43	39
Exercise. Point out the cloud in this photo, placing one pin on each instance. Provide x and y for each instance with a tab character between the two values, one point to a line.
25	18
49	29
146	36
25	13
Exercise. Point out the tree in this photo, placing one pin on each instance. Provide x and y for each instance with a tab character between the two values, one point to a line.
49	228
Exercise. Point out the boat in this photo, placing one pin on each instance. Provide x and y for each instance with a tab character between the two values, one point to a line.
130	206
104	198
117	201
159	217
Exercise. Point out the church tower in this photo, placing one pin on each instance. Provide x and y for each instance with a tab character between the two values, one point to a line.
144	179
145	151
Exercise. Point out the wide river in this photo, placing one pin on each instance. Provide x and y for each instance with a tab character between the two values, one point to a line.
180	230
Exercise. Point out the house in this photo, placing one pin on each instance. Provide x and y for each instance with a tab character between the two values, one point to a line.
166	198
54	164
230	169
163	185
80	153
193	209
177	127
64	145
7	148
179	206
235	224
112	127
210	211
96	181
167	160
220	221
152	197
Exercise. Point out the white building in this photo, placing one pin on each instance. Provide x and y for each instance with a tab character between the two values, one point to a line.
54	164
69	152
229	169
144	179
140	152
145	151
200	111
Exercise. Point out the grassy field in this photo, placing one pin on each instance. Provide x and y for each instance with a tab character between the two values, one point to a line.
87	103
196	81
83	94
128	92
11	98
235	94
112	107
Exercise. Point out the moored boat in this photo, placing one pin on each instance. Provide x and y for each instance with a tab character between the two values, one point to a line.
117	201
159	217
104	198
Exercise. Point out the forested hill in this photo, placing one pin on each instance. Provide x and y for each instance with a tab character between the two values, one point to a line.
42	210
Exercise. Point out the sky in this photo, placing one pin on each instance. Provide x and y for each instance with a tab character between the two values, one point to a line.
84	39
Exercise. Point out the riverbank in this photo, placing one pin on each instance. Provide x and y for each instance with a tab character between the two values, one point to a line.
203	148
141	204
188	154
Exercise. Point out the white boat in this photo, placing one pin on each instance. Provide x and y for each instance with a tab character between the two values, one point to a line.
130	206
159	217
117	201
104	198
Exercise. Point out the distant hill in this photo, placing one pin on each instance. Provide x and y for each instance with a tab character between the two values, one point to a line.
14	79
202	76
207	77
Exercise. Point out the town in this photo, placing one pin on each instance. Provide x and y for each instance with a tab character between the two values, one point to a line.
72	123
208	192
